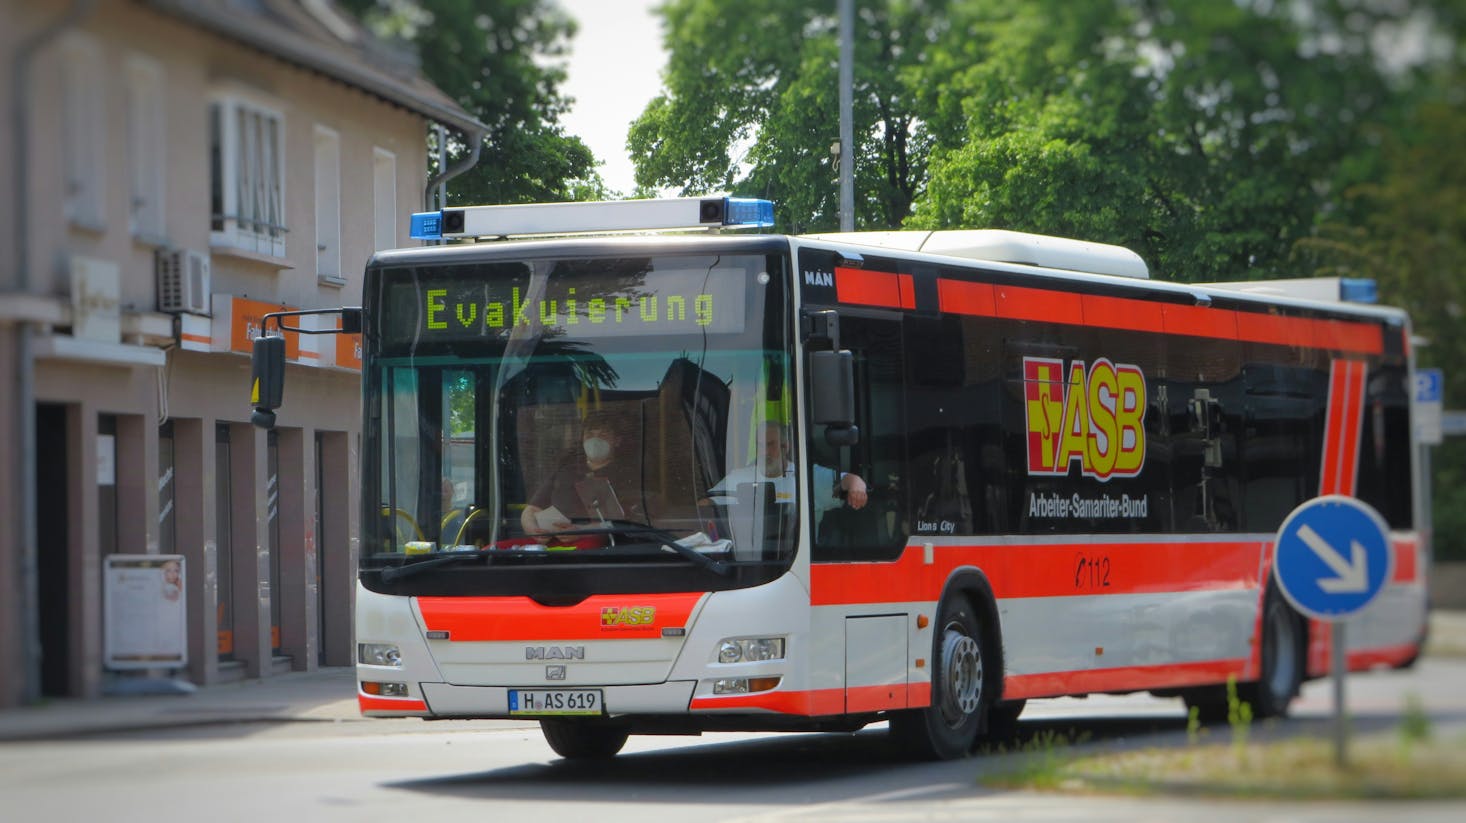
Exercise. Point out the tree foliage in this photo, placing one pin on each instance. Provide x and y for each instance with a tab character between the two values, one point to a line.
750	105
1221	139
496	58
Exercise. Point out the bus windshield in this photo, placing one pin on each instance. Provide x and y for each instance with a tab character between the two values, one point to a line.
586	414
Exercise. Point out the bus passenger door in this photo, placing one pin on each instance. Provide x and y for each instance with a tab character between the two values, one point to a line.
875	663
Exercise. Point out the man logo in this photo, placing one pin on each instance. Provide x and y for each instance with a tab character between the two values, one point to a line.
554	653
554	672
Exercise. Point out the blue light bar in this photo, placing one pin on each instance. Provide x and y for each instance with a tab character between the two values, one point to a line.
426	225
747	211
1358	290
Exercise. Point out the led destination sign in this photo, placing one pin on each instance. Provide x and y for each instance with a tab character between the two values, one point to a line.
583	304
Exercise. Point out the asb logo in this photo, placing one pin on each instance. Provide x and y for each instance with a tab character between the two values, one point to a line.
627	616
1094	414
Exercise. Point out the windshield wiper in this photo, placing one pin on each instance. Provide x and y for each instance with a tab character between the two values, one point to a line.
432	562
658	536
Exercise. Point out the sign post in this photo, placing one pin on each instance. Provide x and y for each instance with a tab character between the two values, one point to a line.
1332	558
1429	396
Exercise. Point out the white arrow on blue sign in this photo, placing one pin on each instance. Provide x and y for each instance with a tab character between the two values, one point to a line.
1333	557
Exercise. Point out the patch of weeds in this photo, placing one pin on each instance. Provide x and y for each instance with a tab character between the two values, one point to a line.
1239	718
1040	762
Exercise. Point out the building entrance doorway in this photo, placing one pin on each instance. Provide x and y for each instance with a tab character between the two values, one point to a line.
53	542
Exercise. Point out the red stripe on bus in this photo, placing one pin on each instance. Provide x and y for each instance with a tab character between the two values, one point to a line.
1342	429
1357	371
1123	313
1019	303
1120	313
1382	656
867	288
1406	561
810	703
1124	678
875	698
1276	330
368	703
1052	570
821	702
1198	321
1328	481
601	617
907	288
959	297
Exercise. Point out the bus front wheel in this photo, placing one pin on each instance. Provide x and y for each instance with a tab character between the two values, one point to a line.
961	677
583	739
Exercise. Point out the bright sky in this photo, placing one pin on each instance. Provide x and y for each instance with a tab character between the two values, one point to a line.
615	68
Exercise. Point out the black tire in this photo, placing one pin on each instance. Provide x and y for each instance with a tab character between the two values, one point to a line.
1003	721
583	739
1284	657
963	676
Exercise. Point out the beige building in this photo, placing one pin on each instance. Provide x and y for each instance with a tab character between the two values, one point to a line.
172	169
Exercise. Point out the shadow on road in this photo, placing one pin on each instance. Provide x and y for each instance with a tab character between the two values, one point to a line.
784	768
777	768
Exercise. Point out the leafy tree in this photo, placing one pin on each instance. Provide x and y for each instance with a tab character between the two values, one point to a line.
1406	229
1206	135
495	58
751	105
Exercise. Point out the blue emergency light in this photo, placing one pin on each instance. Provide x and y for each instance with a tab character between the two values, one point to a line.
599	217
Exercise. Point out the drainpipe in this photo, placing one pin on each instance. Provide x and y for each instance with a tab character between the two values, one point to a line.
25	394
475	139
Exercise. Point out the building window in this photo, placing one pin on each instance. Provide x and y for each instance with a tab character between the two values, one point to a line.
83	131
328	204
384	198
247	159
147	135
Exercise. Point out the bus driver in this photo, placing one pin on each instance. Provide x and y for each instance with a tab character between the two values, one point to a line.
775	467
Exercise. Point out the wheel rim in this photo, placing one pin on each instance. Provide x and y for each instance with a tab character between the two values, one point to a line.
1282	653
961	674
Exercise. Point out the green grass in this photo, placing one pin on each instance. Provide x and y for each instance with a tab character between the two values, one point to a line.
1408	763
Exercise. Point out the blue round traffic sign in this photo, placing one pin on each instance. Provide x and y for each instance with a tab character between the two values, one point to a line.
1333	557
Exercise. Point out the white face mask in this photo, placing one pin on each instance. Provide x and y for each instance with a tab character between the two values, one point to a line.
597	449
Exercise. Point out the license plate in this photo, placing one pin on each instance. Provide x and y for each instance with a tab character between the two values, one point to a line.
554	701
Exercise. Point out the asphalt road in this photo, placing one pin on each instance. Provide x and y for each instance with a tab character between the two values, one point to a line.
408	770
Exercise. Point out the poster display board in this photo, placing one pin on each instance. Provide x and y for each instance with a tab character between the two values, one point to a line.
145	612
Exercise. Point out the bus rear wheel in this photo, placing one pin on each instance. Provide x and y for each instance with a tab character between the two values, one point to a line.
1283	657
583	739
1284	648
949	727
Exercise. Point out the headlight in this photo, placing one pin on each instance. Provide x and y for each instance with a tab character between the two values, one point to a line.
379	654
750	649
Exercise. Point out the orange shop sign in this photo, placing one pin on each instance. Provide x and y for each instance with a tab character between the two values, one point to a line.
247	317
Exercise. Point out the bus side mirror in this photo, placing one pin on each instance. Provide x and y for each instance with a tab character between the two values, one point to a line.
267	380
832	400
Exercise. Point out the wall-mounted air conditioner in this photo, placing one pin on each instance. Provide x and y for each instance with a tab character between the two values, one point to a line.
183	281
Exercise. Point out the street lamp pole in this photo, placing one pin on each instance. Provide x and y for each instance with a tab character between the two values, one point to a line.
847	148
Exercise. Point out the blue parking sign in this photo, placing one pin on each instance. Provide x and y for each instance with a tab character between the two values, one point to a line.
1333	556
1428	385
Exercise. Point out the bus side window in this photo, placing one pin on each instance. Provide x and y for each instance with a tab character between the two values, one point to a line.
878	530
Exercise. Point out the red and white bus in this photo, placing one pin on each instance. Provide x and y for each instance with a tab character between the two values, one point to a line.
1074	478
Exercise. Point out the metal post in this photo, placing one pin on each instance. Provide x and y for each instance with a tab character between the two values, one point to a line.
1340	668
847	147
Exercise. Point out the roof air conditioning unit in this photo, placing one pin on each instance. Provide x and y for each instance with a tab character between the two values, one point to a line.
183	281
